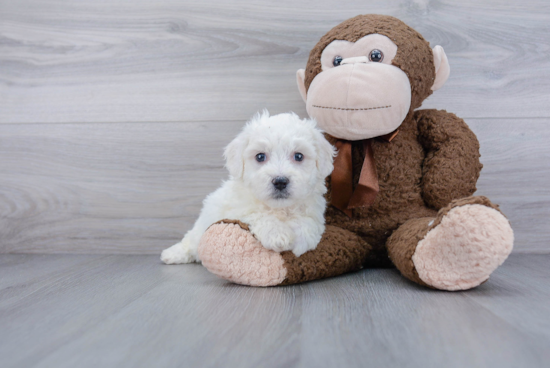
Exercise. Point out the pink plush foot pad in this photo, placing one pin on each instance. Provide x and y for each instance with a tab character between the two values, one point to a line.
233	253
464	249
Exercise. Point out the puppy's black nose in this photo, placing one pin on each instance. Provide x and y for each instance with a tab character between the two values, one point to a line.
280	182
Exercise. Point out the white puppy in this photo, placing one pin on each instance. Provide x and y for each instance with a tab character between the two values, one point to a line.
277	168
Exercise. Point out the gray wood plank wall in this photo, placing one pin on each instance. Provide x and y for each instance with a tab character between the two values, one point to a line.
113	115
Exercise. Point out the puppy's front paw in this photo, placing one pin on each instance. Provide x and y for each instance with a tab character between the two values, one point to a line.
308	236
304	244
178	253
277	238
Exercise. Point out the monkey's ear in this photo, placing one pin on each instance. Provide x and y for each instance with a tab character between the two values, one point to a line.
300	79
442	67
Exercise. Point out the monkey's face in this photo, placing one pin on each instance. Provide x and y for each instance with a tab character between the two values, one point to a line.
359	94
360	88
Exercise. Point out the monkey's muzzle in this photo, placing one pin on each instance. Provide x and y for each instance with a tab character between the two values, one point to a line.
359	99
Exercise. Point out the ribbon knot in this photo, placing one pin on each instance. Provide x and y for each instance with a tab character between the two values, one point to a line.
342	194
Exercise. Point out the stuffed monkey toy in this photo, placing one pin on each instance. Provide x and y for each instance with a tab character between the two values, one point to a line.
401	190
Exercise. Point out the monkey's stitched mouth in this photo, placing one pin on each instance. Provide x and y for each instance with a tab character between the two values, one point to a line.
352	109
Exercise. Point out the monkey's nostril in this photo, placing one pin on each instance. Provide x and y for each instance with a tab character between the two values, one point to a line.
280	182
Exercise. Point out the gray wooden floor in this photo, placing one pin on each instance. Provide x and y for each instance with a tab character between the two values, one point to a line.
131	311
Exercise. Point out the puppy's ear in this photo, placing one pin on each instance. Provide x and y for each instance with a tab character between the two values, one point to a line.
234	159
325	154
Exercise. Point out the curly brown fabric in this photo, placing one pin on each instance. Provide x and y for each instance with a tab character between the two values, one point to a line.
451	166
338	252
402	244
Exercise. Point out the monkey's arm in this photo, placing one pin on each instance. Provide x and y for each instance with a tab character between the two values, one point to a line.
451	167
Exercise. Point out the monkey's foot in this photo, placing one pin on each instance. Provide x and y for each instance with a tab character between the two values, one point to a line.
457	250
229	250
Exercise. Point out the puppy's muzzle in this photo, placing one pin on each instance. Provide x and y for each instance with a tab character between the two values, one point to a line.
280	183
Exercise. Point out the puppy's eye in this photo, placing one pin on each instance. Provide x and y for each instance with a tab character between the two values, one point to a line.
376	55
337	60
298	156
260	157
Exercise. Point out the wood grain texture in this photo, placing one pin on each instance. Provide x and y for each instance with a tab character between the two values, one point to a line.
128	105
516	175
171	60
131	311
138	187
114	187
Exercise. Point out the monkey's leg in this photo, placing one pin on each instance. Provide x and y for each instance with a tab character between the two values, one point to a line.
229	250
457	250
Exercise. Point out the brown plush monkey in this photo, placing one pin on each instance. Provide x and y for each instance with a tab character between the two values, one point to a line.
401	189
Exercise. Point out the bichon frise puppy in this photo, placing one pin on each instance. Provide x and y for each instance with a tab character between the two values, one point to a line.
277	168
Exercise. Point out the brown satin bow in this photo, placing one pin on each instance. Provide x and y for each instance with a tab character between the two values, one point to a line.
342	194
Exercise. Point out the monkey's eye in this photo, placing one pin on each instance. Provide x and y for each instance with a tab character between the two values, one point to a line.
298	156
376	55
260	157
337	60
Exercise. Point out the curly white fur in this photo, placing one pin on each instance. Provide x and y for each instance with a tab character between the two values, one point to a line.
292	219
